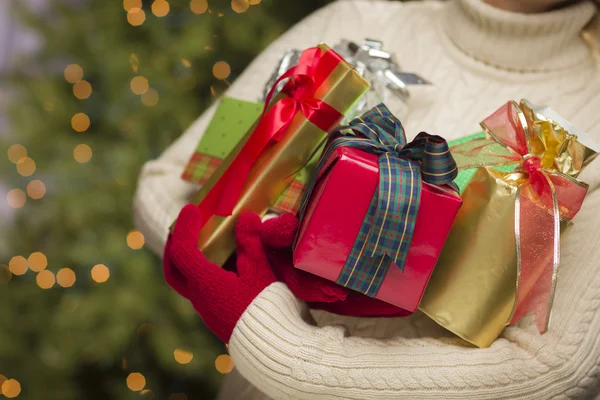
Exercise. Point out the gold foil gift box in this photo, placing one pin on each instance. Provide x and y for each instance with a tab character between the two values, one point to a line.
320	89
501	259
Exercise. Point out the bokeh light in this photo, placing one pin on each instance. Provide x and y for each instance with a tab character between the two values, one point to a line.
18	265
82	90
36	189
66	277
139	85
182	356
150	98
45	279
26	166
82	153
136	381
129	4
160	8
10	388
80	122
135	62
253	2
186	63
100	273
136	16
37	261
2	380
239	6
221	70
224	364
16	198
16	152
135	239
199	6
73	73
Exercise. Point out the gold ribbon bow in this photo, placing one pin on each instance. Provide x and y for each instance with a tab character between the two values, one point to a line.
548	153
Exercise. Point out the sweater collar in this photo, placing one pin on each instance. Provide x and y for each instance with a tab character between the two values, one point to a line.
510	41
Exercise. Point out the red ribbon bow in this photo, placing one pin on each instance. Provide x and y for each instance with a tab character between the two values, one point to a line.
305	80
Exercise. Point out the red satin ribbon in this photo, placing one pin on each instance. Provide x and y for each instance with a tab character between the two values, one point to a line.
304	79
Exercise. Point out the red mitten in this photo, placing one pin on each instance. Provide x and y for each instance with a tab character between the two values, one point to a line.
219	296
277	236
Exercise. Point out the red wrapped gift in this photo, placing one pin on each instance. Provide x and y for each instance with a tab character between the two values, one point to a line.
372	222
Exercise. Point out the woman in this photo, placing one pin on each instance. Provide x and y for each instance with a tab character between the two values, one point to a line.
479	54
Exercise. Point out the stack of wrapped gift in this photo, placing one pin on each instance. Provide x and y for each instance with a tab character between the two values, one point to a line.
383	216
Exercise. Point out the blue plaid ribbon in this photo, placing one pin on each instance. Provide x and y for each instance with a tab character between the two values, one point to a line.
387	229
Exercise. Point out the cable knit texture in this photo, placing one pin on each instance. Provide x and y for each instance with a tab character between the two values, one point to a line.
478	58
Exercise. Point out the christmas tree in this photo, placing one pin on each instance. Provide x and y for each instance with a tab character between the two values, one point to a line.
84	310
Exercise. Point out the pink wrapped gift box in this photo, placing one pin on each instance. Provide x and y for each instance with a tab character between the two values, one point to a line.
336	211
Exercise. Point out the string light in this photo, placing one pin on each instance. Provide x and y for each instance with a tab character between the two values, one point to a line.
66	277
239	6
82	153
129	4
16	198
36	189
139	85
100	273
10	388
199	6
135	240
136	381
37	261
136	16
45	279
221	70
224	364
18	265
82	90
160	8
16	152
80	122
26	166
73	73
182	356
150	98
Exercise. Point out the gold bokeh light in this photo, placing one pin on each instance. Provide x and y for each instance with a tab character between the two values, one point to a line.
239	6
198	6
45	279
16	152
10	388
221	70
73	73
136	16
26	166
129	4
66	277
18	265
160	8
135	240
82	90
136	381
150	98
16	198
183	356
80	122
224	364
37	261
100	273
139	85
82	153
36	189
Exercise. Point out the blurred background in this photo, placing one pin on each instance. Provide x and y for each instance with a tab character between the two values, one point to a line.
89	91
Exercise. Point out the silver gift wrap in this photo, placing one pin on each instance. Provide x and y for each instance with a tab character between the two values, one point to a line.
375	64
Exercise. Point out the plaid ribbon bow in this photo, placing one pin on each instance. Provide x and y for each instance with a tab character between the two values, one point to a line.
386	232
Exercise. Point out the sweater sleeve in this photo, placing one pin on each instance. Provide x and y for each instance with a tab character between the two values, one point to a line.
277	348
161	193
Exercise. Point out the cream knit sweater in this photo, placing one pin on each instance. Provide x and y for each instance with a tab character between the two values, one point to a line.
478	57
